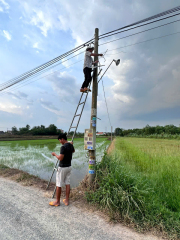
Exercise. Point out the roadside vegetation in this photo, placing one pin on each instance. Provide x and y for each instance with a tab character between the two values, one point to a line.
139	183
164	132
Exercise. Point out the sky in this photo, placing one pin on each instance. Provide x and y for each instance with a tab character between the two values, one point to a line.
143	89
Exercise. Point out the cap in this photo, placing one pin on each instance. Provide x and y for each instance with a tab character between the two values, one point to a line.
89	48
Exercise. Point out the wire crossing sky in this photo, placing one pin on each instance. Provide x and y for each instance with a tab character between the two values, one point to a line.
143	89
57	59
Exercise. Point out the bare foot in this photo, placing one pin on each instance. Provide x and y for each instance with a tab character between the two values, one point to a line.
55	204
65	202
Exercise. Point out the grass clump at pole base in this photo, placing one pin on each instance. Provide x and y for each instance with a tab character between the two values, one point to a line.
139	183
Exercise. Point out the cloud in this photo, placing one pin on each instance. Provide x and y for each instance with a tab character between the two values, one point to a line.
19	95
4	4
41	22
7	35
65	86
11	108
35	45
50	107
145	84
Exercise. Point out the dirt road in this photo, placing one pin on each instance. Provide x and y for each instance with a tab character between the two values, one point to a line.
25	214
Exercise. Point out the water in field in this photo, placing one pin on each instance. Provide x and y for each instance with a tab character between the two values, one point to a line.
34	157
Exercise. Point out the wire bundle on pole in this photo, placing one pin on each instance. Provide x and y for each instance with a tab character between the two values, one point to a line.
41	68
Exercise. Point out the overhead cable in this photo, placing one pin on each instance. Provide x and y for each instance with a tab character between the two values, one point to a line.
106	104
38	69
140	32
144	41
144	20
140	26
25	76
19	86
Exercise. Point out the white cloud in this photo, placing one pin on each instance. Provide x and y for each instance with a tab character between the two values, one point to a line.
7	35
11	108
35	45
50	107
1	9
5	4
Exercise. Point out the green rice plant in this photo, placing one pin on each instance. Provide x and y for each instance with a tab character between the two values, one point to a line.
140	181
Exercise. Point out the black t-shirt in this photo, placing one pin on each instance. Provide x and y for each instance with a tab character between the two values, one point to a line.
67	149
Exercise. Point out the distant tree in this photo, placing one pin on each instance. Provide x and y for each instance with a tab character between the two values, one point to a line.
52	129
14	130
28	127
118	132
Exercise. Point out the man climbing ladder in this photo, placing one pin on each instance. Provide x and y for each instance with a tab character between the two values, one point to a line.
87	69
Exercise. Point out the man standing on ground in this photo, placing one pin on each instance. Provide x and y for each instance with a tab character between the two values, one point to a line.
87	69
64	169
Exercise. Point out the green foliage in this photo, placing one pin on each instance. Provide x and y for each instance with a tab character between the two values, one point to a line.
36	130
119	132
168	131
140	182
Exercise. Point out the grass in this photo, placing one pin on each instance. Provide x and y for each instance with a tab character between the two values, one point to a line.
139	183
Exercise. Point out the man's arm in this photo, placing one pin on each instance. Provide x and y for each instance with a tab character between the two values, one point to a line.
96	54
59	157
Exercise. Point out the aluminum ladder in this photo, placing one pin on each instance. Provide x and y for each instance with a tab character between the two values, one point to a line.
81	103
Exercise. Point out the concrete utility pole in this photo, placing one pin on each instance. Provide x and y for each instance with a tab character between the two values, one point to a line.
92	153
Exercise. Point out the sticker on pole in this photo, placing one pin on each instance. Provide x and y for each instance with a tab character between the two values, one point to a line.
90	147
91	171
91	161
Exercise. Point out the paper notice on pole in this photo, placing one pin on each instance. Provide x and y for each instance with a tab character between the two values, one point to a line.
93	111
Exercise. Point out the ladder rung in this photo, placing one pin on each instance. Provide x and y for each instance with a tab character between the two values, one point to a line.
73	127
77	115
81	103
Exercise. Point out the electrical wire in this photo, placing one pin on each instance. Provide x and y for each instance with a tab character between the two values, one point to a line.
34	71
38	69
140	32
144	41
18	81
106	54
106	104
145	20
140	26
17	87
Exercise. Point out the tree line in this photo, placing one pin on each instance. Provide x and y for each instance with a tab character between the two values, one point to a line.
41	130
37	130
148	130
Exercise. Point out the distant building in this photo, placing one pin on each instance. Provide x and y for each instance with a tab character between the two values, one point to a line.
100	133
9	131
1	132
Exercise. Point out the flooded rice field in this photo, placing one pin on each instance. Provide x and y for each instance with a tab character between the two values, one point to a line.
34	157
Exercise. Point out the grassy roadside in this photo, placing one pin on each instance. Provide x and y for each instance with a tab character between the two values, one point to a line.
139	184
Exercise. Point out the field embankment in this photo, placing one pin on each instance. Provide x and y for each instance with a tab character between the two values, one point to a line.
139	183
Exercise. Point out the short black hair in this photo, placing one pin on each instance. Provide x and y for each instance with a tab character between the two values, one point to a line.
62	135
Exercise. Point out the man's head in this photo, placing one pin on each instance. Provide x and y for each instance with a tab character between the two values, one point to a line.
90	49
62	138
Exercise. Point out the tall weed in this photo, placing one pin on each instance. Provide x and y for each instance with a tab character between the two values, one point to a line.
141	183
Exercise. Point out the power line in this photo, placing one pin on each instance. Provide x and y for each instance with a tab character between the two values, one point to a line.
144	41
140	25
82	59
106	104
17	87
16	82
38	69
140	32
34	71
145	20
